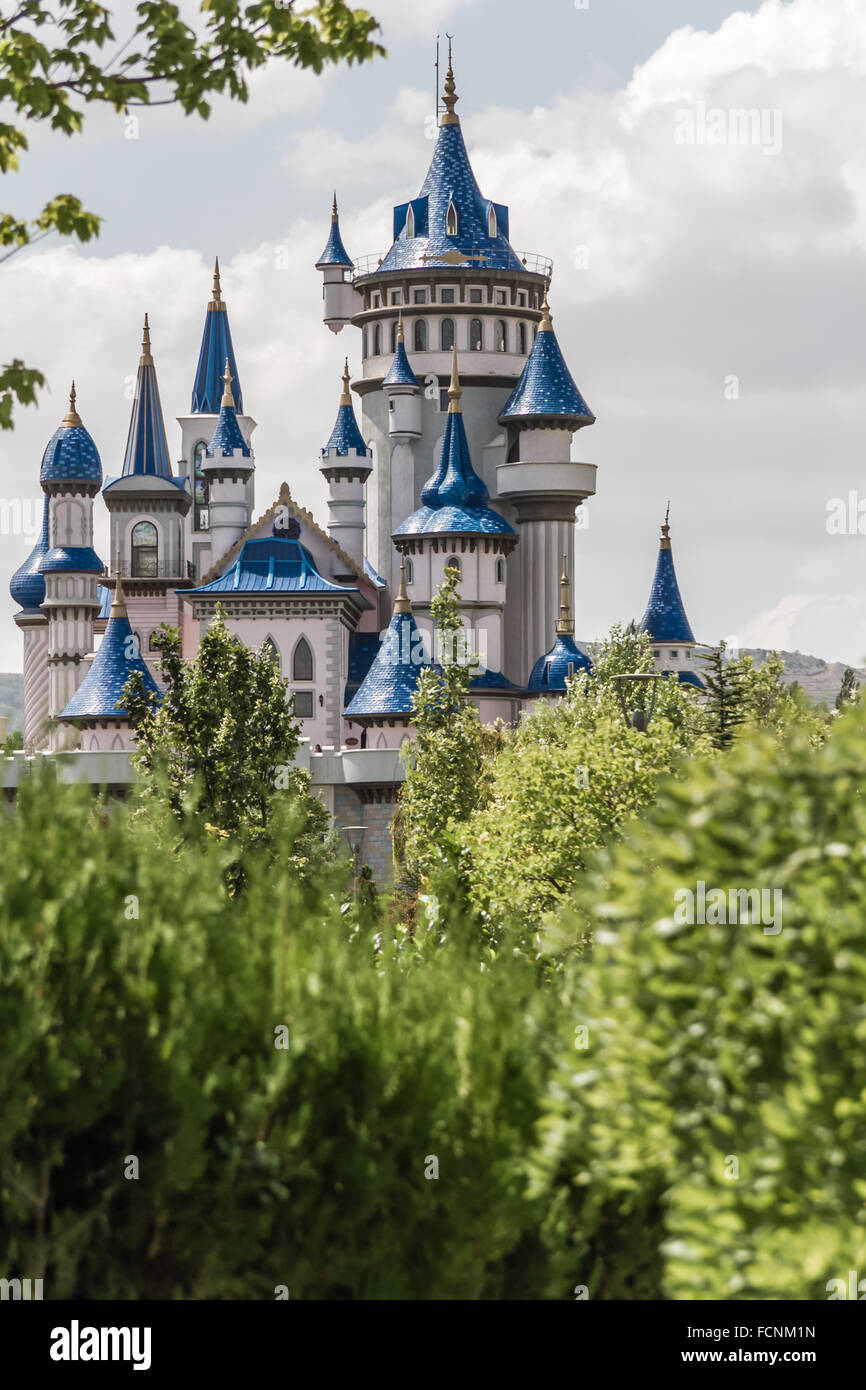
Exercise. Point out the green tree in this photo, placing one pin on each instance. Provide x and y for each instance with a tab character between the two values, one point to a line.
848	690
55	61
726	701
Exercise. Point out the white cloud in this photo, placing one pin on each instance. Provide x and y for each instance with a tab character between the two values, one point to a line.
813	623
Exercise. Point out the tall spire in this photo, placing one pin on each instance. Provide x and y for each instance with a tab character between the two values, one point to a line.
665	617
227	377
401	602
400	327
217	301
146	444
454	390
118	603
72	417
565	626
665	543
346	398
546	324
216	346
335	216
145	360
450	97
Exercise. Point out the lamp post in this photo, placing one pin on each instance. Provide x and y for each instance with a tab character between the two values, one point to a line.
640	716
354	840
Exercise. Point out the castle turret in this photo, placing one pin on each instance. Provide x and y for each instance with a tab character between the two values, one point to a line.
346	465
71	475
542	483
28	589
665	621
340	298
384	698
228	467
403	390
565	658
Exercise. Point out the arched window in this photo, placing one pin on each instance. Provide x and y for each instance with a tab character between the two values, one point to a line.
451	220
410	571
453	563
420	335
145	550
501	335
521	338
302	661
364	342
394	336
491	221
377	340
500	570
270	649
476	335
534	331
410	221
446	335
201	519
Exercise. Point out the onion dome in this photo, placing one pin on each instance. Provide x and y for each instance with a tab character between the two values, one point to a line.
100	695
146	445
454	499
401	373
335	252
345	435
216	348
71	455
565	658
665	617
546	394
451	222
227	436
27	586
387	689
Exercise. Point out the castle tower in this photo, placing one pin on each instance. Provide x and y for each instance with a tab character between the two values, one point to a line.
542	413
340	298
28	589
71	475
346	465
197	428
665	620
384	698
228	468
565	658
148	506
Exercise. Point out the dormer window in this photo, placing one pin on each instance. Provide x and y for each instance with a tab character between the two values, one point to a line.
410	222
491	221
451	220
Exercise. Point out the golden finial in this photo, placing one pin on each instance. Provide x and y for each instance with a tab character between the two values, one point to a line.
546	325
565	626
227	399
454	391
346	398
118	603
71	417
217	301
400	327
666	530
401	602
450	98
334	214
145	360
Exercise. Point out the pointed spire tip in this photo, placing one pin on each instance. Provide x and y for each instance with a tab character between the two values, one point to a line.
401	602
71	417
454	390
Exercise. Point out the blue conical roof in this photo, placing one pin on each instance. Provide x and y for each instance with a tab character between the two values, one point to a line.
546	389
216	346
100	695
400	373
27	586
335	252
71	455
665	617
227	437
345	435
146	445
389	684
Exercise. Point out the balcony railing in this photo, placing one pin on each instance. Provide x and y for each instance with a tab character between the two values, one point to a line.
480	260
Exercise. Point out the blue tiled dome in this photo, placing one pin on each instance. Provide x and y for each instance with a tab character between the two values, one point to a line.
401	373
665	617
28	586
81	558
71	455
546	390
551	671
389	684
100	695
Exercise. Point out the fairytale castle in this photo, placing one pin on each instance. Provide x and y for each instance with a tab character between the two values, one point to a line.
461	456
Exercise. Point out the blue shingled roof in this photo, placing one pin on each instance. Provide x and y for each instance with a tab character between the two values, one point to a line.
335	252
82	558
450	179
271	565
363	647
546	387
100	694
373	575
146	445
665	617
216	346
493	680
389	684
454	499
401	373
27	585
550	672
345	435
687	678
227	436
70	456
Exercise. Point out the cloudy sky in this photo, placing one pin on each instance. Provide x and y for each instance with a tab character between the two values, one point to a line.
709	285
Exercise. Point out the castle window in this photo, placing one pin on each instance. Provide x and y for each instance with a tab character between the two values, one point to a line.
419	296
674	654
501	335
476	335
500	570
410	221
145	550
394	336
364	342
476	296
446	296
377	340
302	703
453	563
377	301
501	296
410	571
269	649
420	335
521	338
201	517
302	661
443	400
397	297
491	221
534	331
451	220
521	298
446	335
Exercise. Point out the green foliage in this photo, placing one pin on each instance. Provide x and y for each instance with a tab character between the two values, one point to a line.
14	742
54	64
726	700
848	690
713	1043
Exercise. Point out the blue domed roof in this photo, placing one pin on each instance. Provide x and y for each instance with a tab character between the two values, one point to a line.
546	390
551	671
81	558
335	252
665	617
390	682
27	586
71	455
100	695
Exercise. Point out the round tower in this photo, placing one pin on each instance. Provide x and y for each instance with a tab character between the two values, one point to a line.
228	466
345	465
338	292
665	620
28	589
552	671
